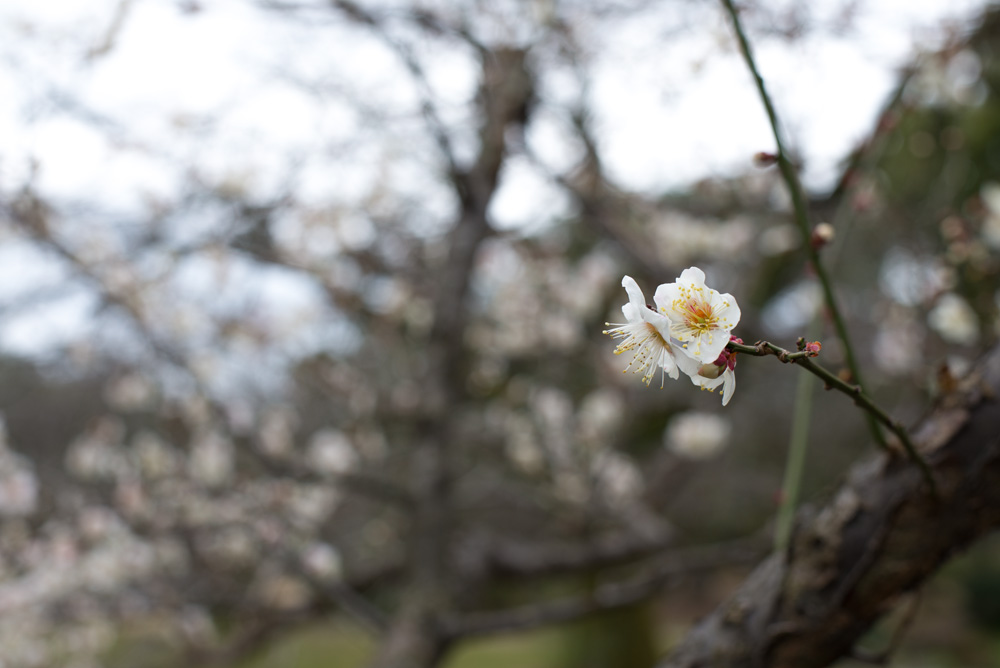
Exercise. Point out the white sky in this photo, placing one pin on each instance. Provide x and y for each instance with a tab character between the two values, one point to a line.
216	92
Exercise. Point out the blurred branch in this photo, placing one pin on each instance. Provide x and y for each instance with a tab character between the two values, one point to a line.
429	111
265	626
31	215
517	558
883	534
801	209
833	381
671	566
114	29
254	634
600	206
364	483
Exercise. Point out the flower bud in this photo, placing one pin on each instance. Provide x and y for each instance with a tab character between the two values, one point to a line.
822	234
764	159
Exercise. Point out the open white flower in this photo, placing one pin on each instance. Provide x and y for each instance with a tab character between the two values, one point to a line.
700	318
647	333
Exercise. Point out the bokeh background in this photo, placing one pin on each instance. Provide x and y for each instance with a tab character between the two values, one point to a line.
301	308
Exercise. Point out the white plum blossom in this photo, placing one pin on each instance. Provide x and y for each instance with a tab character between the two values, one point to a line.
687	331
645	331
700	318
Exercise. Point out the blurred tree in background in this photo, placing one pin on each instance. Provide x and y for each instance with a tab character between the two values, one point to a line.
363	377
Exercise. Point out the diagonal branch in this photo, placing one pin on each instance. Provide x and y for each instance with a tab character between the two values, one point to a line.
882	535
668	569
862	400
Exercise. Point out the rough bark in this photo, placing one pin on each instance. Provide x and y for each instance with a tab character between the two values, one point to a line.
882	535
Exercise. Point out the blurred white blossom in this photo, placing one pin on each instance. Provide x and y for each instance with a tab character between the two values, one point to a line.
990	194
323	561
898	344
18	489
18	482
617	477
330	451
213	459
129	393
600	415
521	445
697	436
98	453
309	505
954	320
277	432
154	458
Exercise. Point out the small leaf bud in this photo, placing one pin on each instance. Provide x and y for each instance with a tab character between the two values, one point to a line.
822	234
764	159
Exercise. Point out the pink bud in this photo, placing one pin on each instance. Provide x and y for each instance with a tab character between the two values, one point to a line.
765	159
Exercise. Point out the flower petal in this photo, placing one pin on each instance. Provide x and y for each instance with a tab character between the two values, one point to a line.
664	297
725	308
692	275
708	346
685	362
729	386
631	313
635	296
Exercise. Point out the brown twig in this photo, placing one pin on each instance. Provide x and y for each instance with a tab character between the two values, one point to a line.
803	358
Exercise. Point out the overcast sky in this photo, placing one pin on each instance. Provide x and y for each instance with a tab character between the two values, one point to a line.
111	104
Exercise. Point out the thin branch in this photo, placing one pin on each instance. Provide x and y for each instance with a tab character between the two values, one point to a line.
608	596
437	127
600	205
800	208
833	381
369	484
511	558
